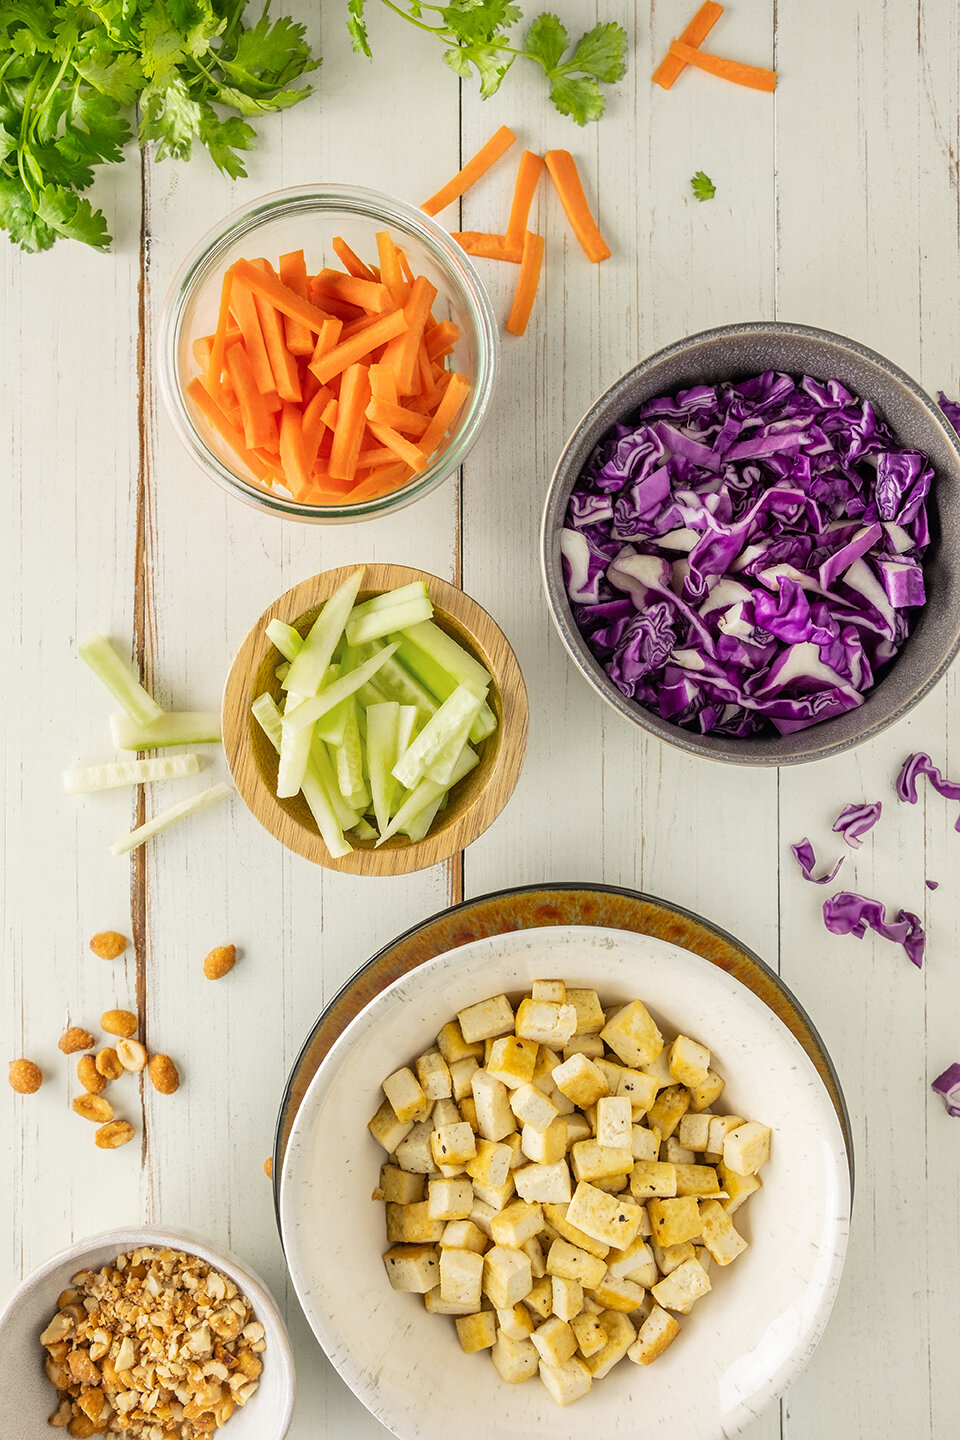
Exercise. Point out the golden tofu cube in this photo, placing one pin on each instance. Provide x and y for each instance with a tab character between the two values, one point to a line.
639	1088
476	1332
620	1336
540	1299
671	1257
532	1107
589	1011
453	1144
590	1046
538	1261
651	1178
544	1183
463	1235
668	1109
461	1277
567	1382
738	1187
569	1262
674	1221
720	1235
747	1148
707	1093
659	1069
699	1180
614	1119
683	1288
655	1334
468	1113
720	1127
553	990
496	1196
567	1297
590	1334
486	1019
414	1152
677	1154
515	1360
689	1061
516	1223
433	1073
555	1341
400	1186
512	1061
547	1146
644	1143
414	1269
507	1276
412	1224
577	1127
602	1217
591	1161
635	1262
546	1022
453	1047
481	1214
449	1199
579	1079
633	1036
495	1119
405	1094
514	1144
491	1163
547	1062
445	1112
616	1294
461	1074
387	1130
515	1322
693	1130
556	1215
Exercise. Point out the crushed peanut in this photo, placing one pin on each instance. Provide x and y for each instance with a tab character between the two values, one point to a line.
157	1344
114	1134
108	944
131	1055
108	1064
25	1077
119	1022
75	1039
93	1107
268	1167
220	962
164	1074
89	1076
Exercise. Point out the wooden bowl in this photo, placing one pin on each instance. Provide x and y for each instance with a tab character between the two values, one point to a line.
473	804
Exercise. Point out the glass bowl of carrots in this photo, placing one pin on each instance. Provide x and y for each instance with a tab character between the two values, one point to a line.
327	354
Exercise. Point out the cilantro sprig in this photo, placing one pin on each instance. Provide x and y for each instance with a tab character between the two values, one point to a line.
73	71
477	35
702	186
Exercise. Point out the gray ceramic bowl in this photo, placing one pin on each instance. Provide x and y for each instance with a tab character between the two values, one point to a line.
734	352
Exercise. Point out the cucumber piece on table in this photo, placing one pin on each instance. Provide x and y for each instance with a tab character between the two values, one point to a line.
114	672
88	778
175	727
180	811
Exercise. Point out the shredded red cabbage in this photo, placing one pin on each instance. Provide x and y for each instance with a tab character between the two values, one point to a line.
848	914
854	821
921	764
743	557
806	859
948	1085
951	409
932	884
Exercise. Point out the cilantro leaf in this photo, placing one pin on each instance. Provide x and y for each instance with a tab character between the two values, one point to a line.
580	99
19	219
702	186
357	26
223	138
72	216
601	53
546	41
171	117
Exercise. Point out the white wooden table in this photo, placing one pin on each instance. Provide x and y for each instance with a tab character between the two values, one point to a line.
837	204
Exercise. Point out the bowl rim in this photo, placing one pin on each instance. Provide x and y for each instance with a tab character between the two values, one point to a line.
373	205
487	804
729	750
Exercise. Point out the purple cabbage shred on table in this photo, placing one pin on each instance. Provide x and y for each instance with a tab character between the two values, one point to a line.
854	821
948	1085
920	764
804	855
849	914
932	884
743	558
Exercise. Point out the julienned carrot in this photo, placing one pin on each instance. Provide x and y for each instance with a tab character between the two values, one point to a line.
282	363
440	339
404	450
407	422
457	390
350	261
259	427
219	346
244	308
348	434
266	284
370	295
415	312
381	481
528	178
376	455
390	272
293	274
754	77
329	306
383	383
330	412
478	165
233	437
349	351
566	179
329	337
408	274
527	282
487	246
671	66
313	426
292	458
350	328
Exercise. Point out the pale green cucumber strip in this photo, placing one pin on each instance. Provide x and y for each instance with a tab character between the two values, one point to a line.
443	764
484	725
397	617
294	754
88	778
398	684
382	726
282	670
440	683
400	596
419	828
333	724
322	765
287	640
180	811
311	710
175	727
364	830
307	668
267	714
350	757
409	720
425	794
459	712
445	652
118	676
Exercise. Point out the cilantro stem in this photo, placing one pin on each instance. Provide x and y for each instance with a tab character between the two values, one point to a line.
440	30
65	64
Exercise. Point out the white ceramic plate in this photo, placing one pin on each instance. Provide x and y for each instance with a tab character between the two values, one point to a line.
742	1344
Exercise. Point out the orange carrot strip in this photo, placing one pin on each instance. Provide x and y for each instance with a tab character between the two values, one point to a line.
330	306
381	482
309	385
354	327
293	274
441	338
314	425
244	308
458	388
528	178
425	369
527	282
348	433
224	396
350	261
408	274
754	77
266	284
211	412
368	294
376	455
390	271
218	348
566	179
295	469
329	336
383	383
330	412
408	422
415	312
282	363
487	246
201	350
478	165
671	67
404	450
259	427
348	352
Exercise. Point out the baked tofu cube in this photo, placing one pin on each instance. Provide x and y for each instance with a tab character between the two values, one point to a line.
400	1187
449	1199
516	1223
387	1130
468	1113
514	1144
476	1332
515	1322
461	1277
633	1036
699	1180
589	1011
544	1183
569	1262
461	1074
555	1341
579	1079
644	1143
747	1148
567	1382
491	1163
567	1297
615	1294
614	1118
507	1276
516	1360
635	1262
546	1022
414	1269
590	1334
738	1187
433	1073
651	1178
556	1215
689	1061
553	990
693	1130
547	1062
434	1304
639	1088
412	1224
486	1019
545	1146
655	1334
620	1336
495	1119
463	1235
577	1127
611	1071
671	1257
720	1235
603	1217
532	1107
591	1161
496	1196
453	1144
538	1261
674	1221
677	1154
512	1061
481	1214
540	1299
668	1109
720	1127
614	1184
405	1094
414	1152
659	1069
681	1290
453	1047
589	1045
707	1093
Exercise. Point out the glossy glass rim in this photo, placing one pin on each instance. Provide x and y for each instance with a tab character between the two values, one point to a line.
372	205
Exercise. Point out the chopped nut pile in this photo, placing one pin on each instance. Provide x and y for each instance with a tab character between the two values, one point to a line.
157	1344
558	1182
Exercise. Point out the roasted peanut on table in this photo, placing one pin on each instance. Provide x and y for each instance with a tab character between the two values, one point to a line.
114	1134
108	944
108	1063
93	1107
89	1076
25	1077
131	1055
164	1074
119	1022
220	962
75	1039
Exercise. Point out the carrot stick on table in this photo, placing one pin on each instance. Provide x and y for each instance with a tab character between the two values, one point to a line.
350	261
527	282
293	274
528	178
386	327
487	246
566	179
348	433
754	77
671	66
475	167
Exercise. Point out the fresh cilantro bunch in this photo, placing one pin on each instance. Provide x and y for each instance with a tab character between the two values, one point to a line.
72	73
477	34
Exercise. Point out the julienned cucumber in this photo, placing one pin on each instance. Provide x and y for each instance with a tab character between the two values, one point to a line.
119	679
267	715
89	778
180	811
175	727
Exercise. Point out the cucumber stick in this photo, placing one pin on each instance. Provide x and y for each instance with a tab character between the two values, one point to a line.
454	718
383	724
360	631
287	640
89	778
438	646
350	756
191	806
441	682
119	679
294	752
175	727
308	666
267	714
426	793
307	713
388	601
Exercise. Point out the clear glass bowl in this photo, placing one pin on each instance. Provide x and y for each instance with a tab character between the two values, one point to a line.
309	217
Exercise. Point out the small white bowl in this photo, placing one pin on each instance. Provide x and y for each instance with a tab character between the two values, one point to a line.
268	1414
741	1346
